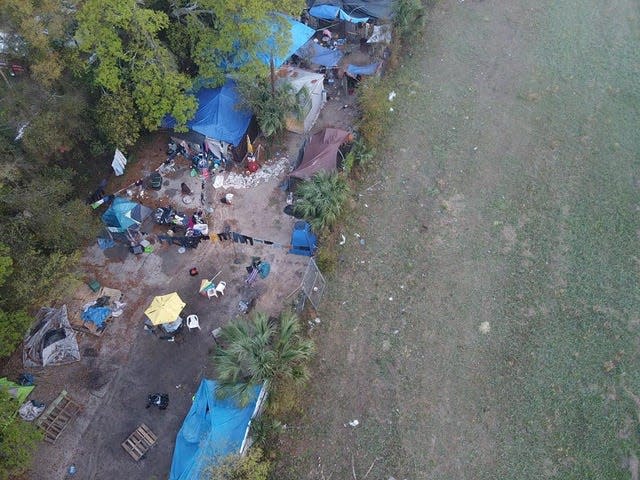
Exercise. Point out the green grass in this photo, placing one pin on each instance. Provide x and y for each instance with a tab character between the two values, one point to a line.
528	115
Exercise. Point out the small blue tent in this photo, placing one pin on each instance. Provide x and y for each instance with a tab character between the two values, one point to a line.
212	429
124	214
319	55
219	116
303	240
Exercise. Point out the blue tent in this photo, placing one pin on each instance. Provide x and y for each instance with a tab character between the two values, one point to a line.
219	116
212	429
124	214
303	240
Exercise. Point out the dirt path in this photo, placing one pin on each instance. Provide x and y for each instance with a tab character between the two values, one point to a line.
446	334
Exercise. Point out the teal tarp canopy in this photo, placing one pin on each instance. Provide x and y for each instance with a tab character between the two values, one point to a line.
212	429
124	214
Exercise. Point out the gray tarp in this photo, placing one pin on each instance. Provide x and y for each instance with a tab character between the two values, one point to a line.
51	341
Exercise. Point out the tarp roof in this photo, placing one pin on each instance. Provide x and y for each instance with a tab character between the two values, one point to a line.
379	9
319	55
299	33
330	12
219	115
124	214
212	429
321	152
298	77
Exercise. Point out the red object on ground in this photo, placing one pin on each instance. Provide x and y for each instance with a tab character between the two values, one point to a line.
253	166
193	272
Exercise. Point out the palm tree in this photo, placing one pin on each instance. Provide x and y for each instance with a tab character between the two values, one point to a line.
256	351
321	198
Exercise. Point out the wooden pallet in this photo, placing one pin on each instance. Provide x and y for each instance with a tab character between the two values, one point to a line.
139	442
57	416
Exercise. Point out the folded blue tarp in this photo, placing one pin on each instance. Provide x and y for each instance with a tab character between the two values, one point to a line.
96	315
212	429
354	70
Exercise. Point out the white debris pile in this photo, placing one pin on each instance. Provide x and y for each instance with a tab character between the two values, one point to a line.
264	174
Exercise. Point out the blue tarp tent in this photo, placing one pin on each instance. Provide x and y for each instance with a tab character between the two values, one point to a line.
212	429
331	12
319	55
299	33
303	240
124	214
218	115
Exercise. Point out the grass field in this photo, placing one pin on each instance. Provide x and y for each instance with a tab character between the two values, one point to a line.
489	327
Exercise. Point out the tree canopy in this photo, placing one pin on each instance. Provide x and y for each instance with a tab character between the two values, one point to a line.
223	36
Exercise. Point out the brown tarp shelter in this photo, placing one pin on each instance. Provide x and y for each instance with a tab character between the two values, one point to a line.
321	153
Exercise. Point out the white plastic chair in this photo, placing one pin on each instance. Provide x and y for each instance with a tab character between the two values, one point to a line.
220	288
193	322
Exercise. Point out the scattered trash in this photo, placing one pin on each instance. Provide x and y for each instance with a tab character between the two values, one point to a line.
179	386
317	320
357	235
484	327
362	241
354	423
366	206
395	332
392	95
72	470
391	109
391	299
344	240
182	250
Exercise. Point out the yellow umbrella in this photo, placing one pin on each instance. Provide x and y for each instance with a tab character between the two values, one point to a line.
165	308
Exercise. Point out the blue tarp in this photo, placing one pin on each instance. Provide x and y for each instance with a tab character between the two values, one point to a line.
299	33
218	115
319	55
303	241
331	12
212	429
96	315
362	69
326	12
124	214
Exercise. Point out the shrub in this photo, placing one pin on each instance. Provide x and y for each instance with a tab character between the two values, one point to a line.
321	199
253	466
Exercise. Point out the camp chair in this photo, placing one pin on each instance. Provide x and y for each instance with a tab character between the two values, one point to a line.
193	322
219	289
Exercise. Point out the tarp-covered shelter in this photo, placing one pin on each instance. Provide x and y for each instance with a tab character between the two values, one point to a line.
309	90
351	10
51	341
298	35
213	429
321	153
220	119
124	215
17	391
303	240
316	54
